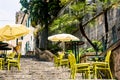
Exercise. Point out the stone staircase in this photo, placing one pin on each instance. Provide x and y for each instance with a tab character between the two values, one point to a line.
31	69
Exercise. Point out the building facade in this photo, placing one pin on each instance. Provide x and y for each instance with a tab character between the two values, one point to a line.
27	41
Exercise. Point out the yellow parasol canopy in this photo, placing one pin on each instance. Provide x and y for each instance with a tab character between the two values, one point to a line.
10	32
64	38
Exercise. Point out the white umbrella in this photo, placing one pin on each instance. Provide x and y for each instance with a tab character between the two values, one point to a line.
63	37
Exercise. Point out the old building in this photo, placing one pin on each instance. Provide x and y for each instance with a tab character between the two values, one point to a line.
25	41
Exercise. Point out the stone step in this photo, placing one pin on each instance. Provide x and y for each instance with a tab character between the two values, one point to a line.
32	69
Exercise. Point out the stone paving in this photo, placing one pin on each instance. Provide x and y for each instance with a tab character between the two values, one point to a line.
32	69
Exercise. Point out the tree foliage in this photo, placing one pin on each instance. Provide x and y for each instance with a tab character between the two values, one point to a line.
75	13
63	24
79	12
41	11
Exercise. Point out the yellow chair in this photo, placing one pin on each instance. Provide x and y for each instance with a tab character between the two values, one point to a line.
102	66
60	61
61	54
1	63
80	67
56	61
64	62
14	62
11	55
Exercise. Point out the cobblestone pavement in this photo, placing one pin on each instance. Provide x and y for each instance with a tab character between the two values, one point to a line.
36	70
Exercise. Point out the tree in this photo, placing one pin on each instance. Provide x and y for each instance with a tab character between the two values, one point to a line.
42	12
78	12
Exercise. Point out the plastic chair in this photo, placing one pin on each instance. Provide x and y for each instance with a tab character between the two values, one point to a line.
64	62
11	55
14	62
1	63
103	66
56	61
60	61
80	67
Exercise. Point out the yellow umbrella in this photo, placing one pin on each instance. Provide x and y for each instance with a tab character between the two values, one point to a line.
10	32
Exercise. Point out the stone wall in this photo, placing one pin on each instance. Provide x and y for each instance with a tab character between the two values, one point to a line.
115	60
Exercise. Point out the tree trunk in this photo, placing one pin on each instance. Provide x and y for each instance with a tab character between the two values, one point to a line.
44	35
84	34
106	28
44	40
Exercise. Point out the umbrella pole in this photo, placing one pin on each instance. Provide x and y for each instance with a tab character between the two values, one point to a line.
16	41
63	43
